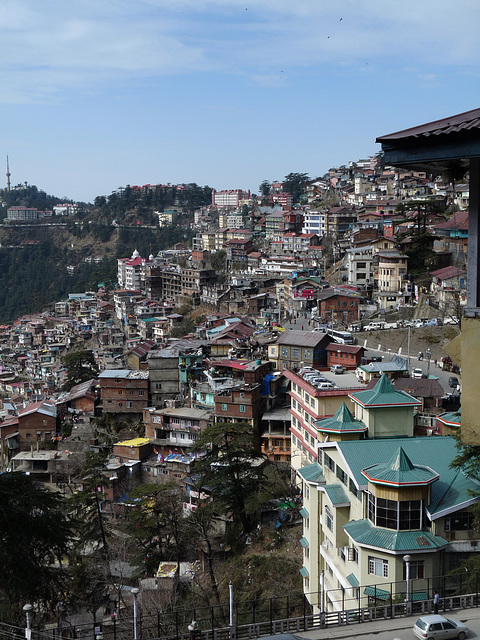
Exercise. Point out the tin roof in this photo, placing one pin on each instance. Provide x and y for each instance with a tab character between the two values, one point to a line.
399	471
363	532
383	395
342	422
452	490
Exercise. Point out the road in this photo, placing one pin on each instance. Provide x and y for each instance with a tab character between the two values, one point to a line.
399	628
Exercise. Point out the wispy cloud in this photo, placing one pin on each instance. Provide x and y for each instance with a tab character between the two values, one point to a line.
52	46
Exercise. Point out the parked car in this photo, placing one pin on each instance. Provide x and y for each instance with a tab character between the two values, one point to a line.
453	382
439	627
417	373
336	368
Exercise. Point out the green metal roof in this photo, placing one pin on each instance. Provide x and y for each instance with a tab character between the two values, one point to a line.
353	580
363	532
375	592
384	394
342	422
450	491
337	495
312	473
451	418
304	513
304	572
417	596
304	542
399	471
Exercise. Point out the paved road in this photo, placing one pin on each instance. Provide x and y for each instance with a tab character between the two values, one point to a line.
399	628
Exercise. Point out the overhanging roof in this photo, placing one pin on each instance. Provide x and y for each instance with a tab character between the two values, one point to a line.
438	146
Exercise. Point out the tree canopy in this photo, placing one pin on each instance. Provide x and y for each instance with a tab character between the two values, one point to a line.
34	534
81	367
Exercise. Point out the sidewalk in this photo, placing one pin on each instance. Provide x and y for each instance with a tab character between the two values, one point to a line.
397	626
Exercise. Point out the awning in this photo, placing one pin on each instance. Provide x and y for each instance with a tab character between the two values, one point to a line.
418	595
375	592
304	542
304	513
304	572
352	579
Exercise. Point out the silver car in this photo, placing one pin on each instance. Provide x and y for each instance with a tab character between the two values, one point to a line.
430	627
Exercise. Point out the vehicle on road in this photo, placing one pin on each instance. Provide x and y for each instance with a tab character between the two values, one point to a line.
336	368
416	373
453	382
435	626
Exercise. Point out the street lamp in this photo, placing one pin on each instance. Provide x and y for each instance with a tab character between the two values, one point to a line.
135	591
407	559
27	608
429	355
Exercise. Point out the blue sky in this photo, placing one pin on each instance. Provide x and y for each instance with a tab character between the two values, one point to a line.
97	94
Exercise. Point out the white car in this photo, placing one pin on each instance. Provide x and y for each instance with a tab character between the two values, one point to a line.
416	373
439	627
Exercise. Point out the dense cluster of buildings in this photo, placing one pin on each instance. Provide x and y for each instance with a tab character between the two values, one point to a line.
356	453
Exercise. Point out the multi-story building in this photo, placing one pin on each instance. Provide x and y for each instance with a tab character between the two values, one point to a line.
372	505
390	288
229	197
310	403
22	213
175	429
296	348
124	391
359	266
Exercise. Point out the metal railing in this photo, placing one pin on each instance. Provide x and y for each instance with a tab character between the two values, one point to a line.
291	613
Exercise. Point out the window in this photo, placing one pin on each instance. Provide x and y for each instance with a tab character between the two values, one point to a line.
158	385
141	392
391	514
353	488
341	475
284	352
328	517
307	491
224	407
128	404
306	353
296	353
377	567
460	521
328	461
307	553
353	554
242	408
416	569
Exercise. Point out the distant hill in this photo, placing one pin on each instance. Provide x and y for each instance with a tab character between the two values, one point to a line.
34	257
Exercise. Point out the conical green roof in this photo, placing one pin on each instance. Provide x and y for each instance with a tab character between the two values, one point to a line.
399	471
342	422
384	394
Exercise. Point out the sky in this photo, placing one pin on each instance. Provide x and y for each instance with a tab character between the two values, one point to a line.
98	94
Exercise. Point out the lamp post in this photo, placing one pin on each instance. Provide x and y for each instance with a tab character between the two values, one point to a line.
135	591
407	559
27	608
429	355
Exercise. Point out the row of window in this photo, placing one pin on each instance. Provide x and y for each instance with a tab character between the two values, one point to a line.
390	514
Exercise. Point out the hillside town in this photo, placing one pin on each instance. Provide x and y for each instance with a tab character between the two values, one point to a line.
315	322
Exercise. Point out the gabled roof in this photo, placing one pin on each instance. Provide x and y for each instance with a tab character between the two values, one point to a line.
312	473
447	272
383	395
458	221
302	338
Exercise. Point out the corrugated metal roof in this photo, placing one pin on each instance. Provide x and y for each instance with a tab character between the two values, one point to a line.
452	489
302	338
400	471
363	532
337	495
453	124
353	580
342	422
312	473
375	592
383	394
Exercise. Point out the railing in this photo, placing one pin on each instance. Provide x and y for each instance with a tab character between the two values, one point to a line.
287	614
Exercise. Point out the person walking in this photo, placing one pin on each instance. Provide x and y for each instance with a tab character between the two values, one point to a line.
436	601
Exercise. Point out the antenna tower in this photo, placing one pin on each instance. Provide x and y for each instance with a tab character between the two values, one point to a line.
8	176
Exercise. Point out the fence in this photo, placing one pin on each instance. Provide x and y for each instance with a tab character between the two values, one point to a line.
291	613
